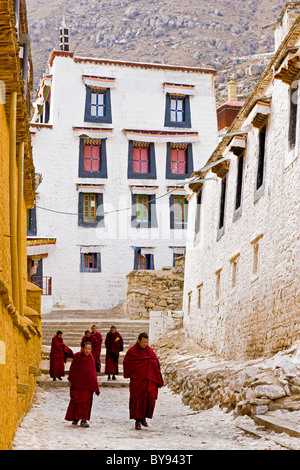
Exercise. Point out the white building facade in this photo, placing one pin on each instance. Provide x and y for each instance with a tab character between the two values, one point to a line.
114	143
241	295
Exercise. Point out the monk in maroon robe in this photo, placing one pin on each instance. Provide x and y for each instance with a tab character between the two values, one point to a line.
59	354
87	338
142	367
84	383
114	345
96	347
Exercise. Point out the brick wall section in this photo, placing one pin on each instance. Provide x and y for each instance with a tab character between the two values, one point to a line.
159	290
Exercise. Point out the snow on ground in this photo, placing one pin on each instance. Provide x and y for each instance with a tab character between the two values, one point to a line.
174	426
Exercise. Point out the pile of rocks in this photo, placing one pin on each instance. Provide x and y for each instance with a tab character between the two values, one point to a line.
246	388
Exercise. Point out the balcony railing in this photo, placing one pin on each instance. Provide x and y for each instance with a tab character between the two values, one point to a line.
44	283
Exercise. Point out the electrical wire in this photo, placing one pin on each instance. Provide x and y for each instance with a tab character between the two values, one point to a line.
207	167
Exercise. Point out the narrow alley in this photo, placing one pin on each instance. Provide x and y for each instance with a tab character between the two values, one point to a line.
173	427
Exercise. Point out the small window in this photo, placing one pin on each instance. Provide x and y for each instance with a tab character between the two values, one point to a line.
198	212
239	183
90	210
222	203
89	207
255	258
177	111
90	262
177	108
97	105
218	285
143	261
199	292
179	210
92	158
31	222
141	158
179	163
261	158
234	270
142	208
179	160
293	115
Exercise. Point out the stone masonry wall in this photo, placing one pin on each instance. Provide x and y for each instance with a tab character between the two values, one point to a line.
159	290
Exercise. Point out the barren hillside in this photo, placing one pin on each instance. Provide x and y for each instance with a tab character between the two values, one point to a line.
186	32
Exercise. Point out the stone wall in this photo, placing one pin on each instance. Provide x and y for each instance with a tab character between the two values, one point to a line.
159	290
245	388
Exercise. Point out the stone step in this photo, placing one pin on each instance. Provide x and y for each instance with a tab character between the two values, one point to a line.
278	425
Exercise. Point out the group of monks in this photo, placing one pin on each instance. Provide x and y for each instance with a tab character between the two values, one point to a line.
140	365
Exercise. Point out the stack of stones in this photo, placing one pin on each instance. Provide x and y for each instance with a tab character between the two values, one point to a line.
246	388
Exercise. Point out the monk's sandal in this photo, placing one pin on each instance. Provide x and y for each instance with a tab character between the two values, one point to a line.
84	424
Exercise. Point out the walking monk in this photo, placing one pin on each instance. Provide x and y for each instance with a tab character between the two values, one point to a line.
142	367
114	345
96	347
84	383
59	354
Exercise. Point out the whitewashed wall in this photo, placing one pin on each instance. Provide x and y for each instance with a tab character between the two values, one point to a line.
137	102
260	315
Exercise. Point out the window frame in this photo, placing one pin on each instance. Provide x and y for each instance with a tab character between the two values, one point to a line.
152	163
107	118
189	166
97	261
186	123
152	217
173	223
99	209
82	173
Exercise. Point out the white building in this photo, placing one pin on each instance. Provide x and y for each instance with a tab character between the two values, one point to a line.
114	142
241	295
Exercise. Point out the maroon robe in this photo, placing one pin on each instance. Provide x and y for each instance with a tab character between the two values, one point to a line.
59	354
86	339
83	379
143	369
96	349
113	349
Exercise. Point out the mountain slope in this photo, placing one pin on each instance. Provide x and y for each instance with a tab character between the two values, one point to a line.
186	32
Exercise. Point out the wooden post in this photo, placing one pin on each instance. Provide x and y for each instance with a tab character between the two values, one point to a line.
13	199
20	225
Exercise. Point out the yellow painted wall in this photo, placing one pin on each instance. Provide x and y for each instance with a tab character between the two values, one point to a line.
20	336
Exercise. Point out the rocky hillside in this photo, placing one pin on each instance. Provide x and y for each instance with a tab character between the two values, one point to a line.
185	32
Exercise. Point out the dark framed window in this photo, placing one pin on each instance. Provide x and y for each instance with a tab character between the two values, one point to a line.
142	261
98	105
143	211
90	210
198	211
31	222
178	212
239	182
261	158
178	113
90	262
222	202
92	158
179	162
141	160
293	114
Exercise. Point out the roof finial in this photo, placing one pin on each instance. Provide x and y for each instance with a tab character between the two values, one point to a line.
64	36
232	95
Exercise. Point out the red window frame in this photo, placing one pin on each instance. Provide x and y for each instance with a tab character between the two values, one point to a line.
178	161
141	159
92	158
